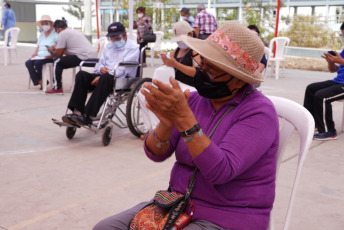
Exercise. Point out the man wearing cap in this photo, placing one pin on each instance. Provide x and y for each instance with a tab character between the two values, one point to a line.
8	19
72	47
226	130
205	23
101	82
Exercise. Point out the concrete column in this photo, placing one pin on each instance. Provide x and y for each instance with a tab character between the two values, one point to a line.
88	20
117	15
327	13
131	19
239	13
162	18
154	20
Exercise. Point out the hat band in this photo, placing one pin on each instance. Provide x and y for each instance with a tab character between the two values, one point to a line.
234	50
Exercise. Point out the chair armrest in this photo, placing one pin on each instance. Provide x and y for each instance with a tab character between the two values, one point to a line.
129	63
89	62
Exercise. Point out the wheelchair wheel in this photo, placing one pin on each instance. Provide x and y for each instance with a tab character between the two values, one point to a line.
70	132
133	111
107	134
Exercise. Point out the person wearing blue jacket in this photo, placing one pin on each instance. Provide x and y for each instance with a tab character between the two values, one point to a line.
8	19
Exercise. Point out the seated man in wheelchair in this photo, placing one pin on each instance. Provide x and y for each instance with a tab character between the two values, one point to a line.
101	82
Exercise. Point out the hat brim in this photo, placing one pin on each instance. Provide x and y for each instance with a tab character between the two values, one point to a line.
177	39
38	23
114	34
217	56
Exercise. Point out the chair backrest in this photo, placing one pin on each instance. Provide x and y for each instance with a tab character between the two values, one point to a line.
14	36
267	56
99	45
134	38
293	116
280	43
159	37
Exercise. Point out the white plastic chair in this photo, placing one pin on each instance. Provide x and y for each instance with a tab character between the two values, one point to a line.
13	43
47	70
342	101
293	116
100	44
281	43
156	46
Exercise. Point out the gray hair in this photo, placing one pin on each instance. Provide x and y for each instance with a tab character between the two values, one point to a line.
201	7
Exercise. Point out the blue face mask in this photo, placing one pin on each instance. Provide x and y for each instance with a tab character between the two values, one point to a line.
119	44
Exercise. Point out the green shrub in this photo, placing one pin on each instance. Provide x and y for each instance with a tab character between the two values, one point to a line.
308	31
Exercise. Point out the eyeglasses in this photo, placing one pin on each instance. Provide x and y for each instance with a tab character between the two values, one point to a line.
115	39
203	65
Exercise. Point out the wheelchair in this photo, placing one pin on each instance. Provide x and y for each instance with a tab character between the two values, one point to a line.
122	103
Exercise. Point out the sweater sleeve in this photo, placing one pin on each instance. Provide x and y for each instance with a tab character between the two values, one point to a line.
174	141
251	136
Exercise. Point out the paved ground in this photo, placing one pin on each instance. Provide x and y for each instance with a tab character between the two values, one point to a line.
50	182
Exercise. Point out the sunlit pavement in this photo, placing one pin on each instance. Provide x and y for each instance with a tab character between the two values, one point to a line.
50	182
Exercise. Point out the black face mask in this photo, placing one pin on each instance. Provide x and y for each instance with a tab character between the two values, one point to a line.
208	89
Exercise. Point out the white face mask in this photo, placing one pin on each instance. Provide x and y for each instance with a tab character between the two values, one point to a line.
119	44
46	28
140	15
182	45
183	17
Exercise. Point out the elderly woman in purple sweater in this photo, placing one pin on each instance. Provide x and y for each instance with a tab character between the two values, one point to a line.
235	183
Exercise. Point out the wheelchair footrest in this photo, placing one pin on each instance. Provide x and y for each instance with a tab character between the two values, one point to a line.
62	123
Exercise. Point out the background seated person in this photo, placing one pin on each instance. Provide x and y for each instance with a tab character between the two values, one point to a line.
75	46
41	56
101	82
181	58
235	183
263	61
320	95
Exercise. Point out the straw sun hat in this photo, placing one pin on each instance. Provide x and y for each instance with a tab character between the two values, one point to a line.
44	18
234	49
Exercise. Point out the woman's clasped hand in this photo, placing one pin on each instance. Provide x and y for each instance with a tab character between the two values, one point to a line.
168	102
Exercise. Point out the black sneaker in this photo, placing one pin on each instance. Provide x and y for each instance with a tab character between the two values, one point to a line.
82	120
325	136
68	119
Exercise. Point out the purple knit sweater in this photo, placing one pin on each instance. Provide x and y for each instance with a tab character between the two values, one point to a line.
235	184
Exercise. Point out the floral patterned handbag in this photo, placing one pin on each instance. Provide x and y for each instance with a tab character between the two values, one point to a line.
168	209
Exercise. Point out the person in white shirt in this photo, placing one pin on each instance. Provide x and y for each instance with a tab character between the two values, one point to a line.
101	82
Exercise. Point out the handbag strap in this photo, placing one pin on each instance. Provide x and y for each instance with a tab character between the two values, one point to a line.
193	178
176	211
